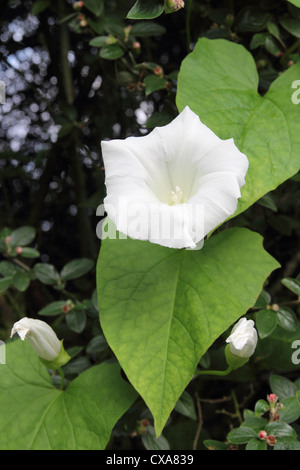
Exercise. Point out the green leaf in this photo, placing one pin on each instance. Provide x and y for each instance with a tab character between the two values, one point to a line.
30	253
292	25
160	330
292	284
273	46
154	443
21	281
76	268
5	283
95	6
39	6
76	320
286	318
287	443
46	273
159	119
147	28
7	268
251	19
261	407
5	232
146	9
241	435
99	41
186	406
111	52
268	202
280	429
263	300
257	40
282	387
96	345
154	83
283	341
290	411
295	2
266	321
45	418
219	81
215	445
52	309
256	444
256	423
22	236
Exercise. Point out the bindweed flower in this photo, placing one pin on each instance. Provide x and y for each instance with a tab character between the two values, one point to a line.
174	185
43	340
243	338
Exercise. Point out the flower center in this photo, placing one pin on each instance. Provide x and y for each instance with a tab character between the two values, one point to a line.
176	196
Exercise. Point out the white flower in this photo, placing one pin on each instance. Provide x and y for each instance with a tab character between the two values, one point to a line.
243	338
40	336
174	185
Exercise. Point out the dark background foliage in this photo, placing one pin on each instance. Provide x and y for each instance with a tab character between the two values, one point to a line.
63	96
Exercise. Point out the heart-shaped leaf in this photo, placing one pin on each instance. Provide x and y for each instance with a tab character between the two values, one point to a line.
219	81
34	415
161	313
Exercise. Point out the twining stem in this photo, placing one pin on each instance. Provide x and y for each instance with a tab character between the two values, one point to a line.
200	421
188	24
236	406
214	372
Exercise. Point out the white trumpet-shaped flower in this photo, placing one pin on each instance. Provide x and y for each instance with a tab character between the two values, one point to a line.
243	338
41	337
174	185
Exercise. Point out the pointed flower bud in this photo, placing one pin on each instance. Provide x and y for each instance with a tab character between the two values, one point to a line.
243	338
43	340
272	398
174	5
262	434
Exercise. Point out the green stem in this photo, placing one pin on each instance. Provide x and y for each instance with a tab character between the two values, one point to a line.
291	49
236	406
62	376
188	24
18	262
214	372
64	42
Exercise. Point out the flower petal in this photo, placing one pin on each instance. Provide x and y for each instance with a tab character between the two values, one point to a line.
171	173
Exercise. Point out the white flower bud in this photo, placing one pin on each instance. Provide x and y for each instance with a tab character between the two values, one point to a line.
40	336
243	338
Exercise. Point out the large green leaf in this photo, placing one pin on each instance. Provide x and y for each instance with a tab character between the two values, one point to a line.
160	308
219	81
36	416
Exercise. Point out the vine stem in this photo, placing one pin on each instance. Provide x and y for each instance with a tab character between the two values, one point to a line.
200	421
188	24
236	406
214	372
